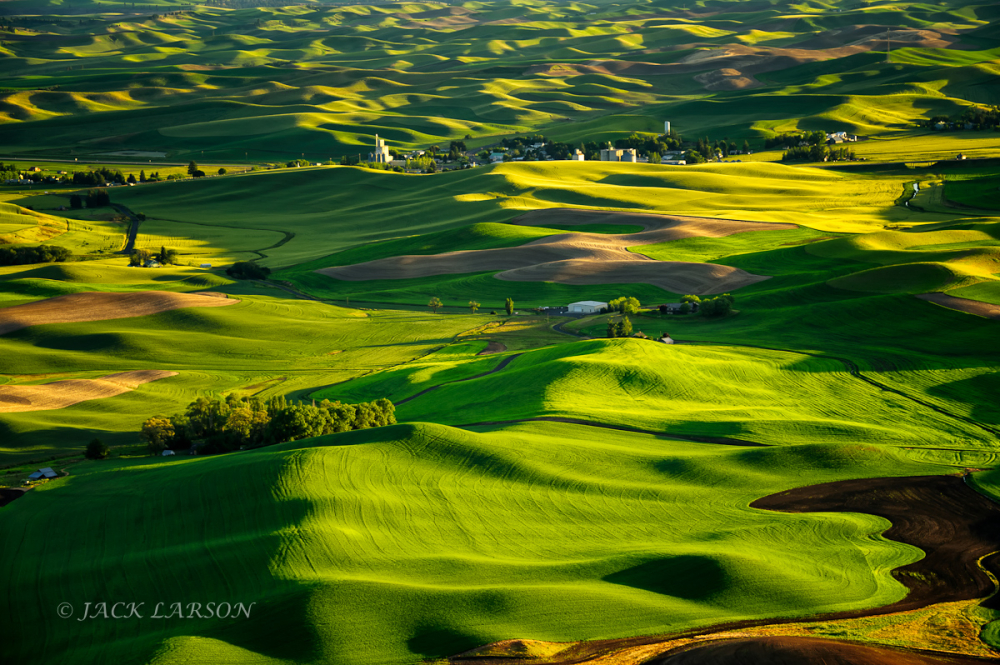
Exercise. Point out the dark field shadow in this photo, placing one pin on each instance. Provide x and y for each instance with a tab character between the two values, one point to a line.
688	576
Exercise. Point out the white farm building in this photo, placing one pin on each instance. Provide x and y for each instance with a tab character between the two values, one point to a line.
587	307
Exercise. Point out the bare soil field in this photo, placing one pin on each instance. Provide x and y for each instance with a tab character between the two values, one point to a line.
976	307
96	306
60	394
798	650
581	258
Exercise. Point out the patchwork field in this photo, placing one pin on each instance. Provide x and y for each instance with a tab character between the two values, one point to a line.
807	473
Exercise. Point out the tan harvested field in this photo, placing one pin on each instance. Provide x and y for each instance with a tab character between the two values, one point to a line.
976	307
581	258
60	394
96	306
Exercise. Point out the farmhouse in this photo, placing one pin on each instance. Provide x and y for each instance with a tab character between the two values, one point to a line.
667	339
47	472
586	307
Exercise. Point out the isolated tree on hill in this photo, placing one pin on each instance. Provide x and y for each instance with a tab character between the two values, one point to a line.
96	449
473	305
434	303
192	167
509	306
223	170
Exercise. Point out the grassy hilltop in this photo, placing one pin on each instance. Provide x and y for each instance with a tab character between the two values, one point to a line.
545	489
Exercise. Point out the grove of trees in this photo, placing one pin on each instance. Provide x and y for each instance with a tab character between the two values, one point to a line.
19	255
222	425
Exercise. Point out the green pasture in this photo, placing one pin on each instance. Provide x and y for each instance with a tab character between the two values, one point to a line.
418	541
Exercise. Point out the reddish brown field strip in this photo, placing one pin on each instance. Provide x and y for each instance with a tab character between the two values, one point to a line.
97	306
581	258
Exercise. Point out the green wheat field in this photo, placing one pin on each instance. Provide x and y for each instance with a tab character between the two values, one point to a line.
545	493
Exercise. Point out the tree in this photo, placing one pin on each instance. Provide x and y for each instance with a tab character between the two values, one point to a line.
509	306
473	305
198	174
96	449
664	309
192	167
612	328
97	198
223	171
685	308
694	157
746	147
142	176
624	328
654	158
131	179
76	202
625	305
690	298
158	433
248	270
434	303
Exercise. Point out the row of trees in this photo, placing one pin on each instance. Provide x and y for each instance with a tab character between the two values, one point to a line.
435	304
19	256
96	198
817	153
222	425
98	176
975	118
793	140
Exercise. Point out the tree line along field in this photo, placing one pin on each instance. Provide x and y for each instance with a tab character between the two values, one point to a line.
318	81
544	484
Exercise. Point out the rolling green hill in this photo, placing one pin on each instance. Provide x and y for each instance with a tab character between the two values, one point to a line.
418	540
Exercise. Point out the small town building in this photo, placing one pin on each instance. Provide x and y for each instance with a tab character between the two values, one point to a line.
577	156
47	472
666	339
381	154
587	307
